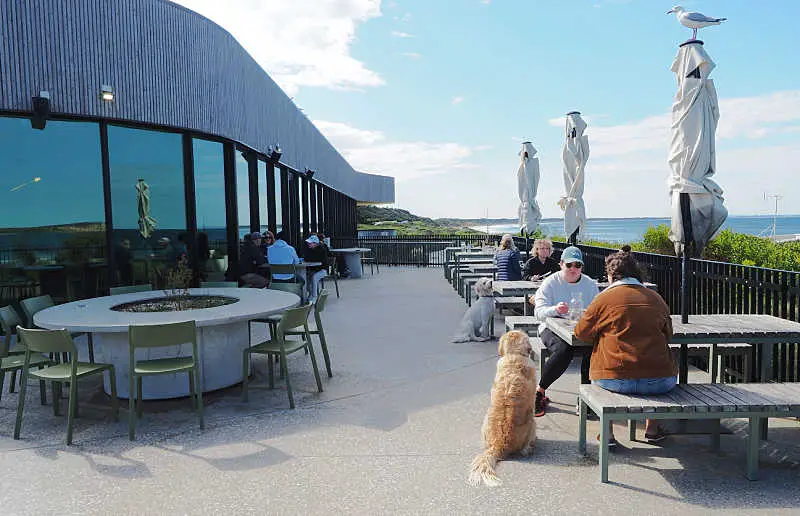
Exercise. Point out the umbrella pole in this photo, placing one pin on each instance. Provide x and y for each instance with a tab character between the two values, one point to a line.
688	248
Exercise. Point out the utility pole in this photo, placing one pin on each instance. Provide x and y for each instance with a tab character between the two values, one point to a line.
777	198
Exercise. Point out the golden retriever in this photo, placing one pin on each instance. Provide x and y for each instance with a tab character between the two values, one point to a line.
509	426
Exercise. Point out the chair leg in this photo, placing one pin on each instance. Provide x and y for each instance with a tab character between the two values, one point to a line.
90	344
112	379
245	373
313	355
139	397
72	407
271	370
336	284
21	403
324	345
42	389
285	371
132	406
192	397
12	385
199	387
56	388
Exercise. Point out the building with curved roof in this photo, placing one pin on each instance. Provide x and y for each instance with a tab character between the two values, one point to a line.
98	94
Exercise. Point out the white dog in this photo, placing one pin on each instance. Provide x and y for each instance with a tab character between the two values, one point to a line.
475	323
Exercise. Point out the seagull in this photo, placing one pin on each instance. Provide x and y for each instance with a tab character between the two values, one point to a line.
694	20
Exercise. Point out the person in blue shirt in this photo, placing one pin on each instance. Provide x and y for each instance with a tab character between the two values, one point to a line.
507	260
281	253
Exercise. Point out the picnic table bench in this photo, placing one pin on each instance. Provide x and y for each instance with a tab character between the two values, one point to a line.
752	401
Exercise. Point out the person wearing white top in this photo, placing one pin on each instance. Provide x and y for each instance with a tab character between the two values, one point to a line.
551	300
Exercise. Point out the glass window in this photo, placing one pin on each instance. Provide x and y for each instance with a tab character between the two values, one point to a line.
209	186
278	202
52	217
148	204
299	182
263	216
243	193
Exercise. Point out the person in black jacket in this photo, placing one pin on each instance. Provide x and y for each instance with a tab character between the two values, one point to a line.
540	263
315	251
251	257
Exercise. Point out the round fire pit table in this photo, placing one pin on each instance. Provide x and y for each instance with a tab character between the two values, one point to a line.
222	334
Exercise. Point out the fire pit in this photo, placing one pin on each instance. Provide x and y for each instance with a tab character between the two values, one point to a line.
175	303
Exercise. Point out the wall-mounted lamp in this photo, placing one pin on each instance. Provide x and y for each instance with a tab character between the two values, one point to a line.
309	173
275	153
41	110
107	93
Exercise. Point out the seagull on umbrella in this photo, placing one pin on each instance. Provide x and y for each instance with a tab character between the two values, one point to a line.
694	20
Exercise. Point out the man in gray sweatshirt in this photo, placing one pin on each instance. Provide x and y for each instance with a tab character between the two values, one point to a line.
551	300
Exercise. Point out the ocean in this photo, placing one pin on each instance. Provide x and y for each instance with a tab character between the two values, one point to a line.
632	230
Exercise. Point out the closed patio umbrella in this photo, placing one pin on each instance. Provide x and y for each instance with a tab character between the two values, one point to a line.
574	156
696	200
147	224
528	183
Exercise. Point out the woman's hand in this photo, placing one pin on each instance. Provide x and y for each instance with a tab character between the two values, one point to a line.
562	308
535	277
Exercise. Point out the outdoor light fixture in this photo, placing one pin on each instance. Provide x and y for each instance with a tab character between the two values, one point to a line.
309	173
107	93
275	153
41	110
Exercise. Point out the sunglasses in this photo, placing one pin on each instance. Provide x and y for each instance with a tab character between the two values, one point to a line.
577	265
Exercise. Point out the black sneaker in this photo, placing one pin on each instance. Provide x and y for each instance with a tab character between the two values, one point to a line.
541	404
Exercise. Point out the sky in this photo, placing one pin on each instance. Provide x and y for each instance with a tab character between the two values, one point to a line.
441	93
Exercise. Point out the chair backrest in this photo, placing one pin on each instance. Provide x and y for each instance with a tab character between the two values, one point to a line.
47	341
332	264
161	335
322	300
33	305
9	320
282	268
293	318
130	289
294	288
218	284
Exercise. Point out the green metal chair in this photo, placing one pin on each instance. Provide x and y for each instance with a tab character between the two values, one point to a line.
283	268
157	336
280	346
272	320
333	273
12	354
130	289
58	341
317	329
34	305
219	284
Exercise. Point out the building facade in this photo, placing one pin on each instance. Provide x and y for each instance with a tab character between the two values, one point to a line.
130	90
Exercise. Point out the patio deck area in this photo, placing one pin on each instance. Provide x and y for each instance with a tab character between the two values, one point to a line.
394	432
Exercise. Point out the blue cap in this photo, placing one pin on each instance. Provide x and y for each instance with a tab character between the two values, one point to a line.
571	254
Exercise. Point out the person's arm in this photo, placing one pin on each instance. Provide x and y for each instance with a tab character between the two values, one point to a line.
588	327
293	253
545	302
515	269
527	270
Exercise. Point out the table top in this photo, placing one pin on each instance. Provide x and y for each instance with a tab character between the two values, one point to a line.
95	315
718	328
351	250
475	254
510	287
485	267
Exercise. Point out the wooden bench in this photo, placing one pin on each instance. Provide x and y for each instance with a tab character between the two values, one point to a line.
753	401
716	353
527	323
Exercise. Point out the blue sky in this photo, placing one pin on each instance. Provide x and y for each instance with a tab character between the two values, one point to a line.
440	93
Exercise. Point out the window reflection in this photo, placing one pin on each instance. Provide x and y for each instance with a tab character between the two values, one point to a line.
52	220
243	193
263	216
149	237
209	185
278	200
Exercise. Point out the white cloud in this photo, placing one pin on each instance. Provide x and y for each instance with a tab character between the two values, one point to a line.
370	151
299	43
412	55
457	100
401	34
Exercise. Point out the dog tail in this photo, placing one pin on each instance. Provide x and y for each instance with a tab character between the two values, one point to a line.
483	469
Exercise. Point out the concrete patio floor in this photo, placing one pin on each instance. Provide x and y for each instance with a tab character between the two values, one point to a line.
394	432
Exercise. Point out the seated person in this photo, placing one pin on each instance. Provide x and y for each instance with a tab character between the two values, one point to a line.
540	263
630	327
551	301
251	257
281	253
315	251
507	259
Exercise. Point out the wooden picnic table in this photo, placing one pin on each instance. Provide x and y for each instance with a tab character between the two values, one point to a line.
759	330
515	288
482	267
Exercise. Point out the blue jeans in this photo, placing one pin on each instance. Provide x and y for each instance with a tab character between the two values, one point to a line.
639	385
